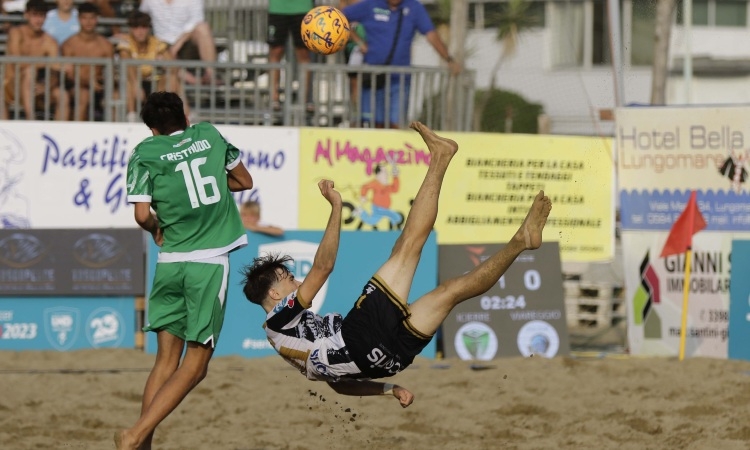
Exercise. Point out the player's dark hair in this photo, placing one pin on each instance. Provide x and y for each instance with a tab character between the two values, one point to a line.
37	6
87	7
139	19
163	111
261	275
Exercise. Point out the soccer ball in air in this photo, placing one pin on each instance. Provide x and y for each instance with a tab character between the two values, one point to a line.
325	30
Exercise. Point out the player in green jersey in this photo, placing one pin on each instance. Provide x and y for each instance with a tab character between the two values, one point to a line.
186	175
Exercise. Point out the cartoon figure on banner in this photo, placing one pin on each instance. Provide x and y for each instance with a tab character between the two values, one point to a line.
377	193
734	168
14	207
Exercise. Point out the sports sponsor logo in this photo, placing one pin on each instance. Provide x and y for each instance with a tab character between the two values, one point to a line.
104	328
320	366
21	250
285	303
476	340
538	337
380	359
182	142
97	250
61	325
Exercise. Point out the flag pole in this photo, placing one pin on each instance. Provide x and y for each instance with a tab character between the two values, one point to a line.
685	292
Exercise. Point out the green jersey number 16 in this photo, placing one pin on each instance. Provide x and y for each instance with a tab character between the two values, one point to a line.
196	184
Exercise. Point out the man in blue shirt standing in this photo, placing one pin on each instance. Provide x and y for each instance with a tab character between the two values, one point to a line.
390	27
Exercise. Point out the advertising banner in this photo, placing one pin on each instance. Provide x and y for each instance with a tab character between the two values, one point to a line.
523	314
87	262
72	175
66	323
359	257
664	153
486	192
739	303
654	289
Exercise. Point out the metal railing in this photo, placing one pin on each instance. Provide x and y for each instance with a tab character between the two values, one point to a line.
57	88
237	93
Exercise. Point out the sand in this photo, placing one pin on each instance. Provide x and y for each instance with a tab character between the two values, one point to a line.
76	400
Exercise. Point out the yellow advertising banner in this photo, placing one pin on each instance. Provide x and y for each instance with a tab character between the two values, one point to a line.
486	192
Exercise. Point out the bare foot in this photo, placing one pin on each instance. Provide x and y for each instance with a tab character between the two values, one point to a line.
530	232
123	441
436	144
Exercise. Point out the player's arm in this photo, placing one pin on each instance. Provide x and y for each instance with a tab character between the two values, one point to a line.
365	388
239	179
325	256
148	222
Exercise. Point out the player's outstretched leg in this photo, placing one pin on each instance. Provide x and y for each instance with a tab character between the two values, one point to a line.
398	271
429	311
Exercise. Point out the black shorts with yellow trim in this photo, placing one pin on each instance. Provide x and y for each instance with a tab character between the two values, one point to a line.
378	334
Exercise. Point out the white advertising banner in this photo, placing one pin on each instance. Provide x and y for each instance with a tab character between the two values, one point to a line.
664	154
72	175
654	287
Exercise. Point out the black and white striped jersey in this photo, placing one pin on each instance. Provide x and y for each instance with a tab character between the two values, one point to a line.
310	342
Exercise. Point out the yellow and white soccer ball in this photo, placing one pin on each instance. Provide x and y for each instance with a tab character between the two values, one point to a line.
325	30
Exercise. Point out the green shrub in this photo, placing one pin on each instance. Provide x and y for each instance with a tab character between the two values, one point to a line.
502	104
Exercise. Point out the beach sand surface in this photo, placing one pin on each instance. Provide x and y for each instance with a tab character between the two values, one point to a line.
76	400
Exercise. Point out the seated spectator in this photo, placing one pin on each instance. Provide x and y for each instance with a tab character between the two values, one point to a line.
29	39
179	22
139	43
62	22
83	80
250	215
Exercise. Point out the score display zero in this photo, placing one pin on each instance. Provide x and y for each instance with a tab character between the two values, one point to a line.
532	281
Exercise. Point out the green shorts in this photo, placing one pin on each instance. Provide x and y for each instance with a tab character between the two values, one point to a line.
188	299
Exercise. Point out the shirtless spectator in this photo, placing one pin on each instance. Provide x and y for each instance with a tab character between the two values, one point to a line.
30	40
140	44
83	81
62	22
178	22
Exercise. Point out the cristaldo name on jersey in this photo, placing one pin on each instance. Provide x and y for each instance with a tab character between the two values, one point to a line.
195	147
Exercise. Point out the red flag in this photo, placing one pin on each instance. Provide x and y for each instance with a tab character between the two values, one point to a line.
680	237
